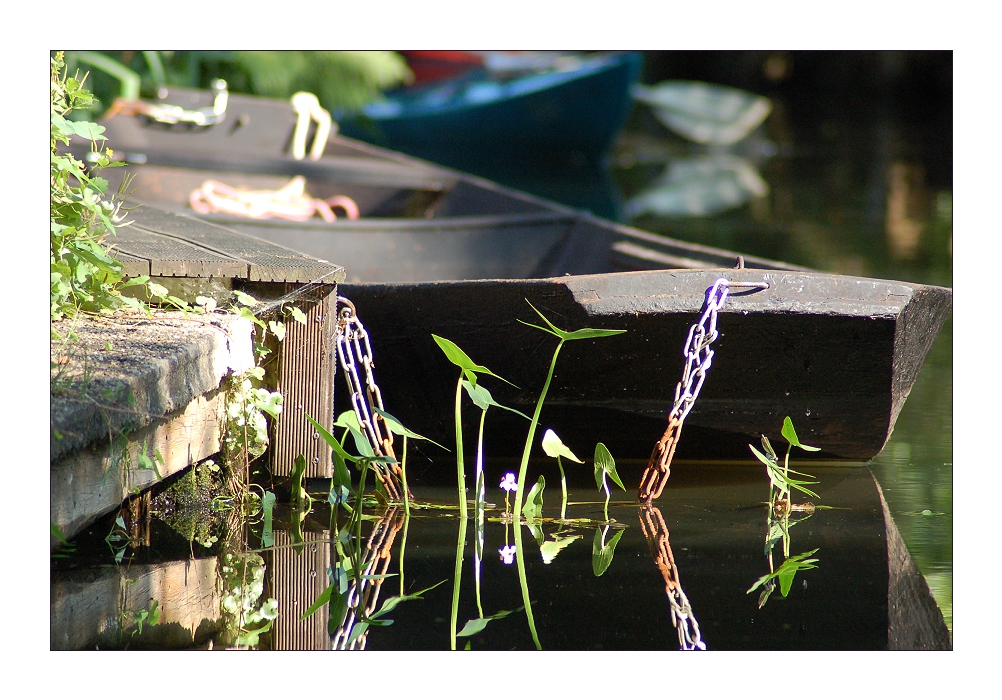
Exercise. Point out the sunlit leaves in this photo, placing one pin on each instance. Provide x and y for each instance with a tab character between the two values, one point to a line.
477	624
605	465
580	334
459	358
397	428
791	436
483	400
553	447
533	508
780	478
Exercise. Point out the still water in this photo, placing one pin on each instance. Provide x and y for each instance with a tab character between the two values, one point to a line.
866	194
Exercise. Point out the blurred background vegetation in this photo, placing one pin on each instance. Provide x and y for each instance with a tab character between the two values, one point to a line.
340	79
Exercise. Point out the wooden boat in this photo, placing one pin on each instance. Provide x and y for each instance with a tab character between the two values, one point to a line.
569	112
437	251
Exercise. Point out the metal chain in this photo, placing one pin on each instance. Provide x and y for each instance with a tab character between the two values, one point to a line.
363	592
352	343
698	358
682	619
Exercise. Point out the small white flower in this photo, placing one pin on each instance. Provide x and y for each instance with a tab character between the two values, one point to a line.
508	482
507	553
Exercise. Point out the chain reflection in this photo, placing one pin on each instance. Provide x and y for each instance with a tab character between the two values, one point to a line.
682	618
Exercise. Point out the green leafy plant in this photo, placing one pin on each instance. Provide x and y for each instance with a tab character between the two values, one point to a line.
554	447
247	402
563	337
82	276
605	466
478	624
397	428
150	616
779	477
468	371
780	509
533	508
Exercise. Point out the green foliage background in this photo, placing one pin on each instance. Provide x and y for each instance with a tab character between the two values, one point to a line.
342	80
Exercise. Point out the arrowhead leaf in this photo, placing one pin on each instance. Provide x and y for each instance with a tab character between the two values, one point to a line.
553	447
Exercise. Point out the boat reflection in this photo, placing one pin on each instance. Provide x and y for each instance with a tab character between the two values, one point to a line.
652	523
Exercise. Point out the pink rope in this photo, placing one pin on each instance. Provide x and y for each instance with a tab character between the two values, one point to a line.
289	203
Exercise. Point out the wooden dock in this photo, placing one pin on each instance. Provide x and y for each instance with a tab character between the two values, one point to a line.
133	385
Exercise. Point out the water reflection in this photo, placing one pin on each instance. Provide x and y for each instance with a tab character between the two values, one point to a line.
369	572
682	618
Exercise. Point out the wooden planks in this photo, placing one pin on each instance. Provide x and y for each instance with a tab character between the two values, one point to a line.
166	244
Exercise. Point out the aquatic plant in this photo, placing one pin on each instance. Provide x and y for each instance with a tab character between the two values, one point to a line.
605	466
533	508
468	372
397	428
780	477
509	484
554	447
563	337
483	400
780	509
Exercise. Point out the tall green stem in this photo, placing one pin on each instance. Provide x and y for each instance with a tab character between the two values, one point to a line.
478	513
403	477
607	495
407	515
403	548
460	546
563	489
519	495
460	467
533	424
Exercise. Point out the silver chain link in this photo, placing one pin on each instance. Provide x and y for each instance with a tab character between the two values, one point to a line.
698	358
352	343
353	347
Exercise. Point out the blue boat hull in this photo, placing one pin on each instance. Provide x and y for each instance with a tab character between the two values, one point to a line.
567	116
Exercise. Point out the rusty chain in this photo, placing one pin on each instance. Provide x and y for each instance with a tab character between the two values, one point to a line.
682	619
352	343
698	358
363	591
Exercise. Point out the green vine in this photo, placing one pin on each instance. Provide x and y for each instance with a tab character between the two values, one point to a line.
82	276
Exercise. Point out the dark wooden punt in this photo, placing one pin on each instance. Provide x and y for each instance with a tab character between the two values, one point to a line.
437	251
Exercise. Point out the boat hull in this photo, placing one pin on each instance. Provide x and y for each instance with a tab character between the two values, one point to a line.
836	354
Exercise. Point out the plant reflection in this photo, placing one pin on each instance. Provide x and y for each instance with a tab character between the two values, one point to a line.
778	524
778	521
682	618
